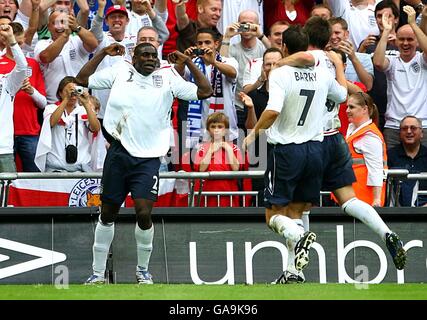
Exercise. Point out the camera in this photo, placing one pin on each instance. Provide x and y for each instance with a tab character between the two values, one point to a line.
71	153
199	52
78	90
244	27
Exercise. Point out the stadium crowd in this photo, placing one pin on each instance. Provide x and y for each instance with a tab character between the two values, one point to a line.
50	122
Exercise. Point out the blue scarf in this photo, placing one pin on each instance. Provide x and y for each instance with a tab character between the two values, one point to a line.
195	107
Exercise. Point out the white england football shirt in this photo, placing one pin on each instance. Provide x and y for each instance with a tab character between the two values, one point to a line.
129	43
138	110
406	90
361	22
64	133
299	94
9	85
252	71
331	121
69	62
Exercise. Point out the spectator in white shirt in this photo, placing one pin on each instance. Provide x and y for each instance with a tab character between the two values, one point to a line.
9	86
64	54
359	15
406	76
65	144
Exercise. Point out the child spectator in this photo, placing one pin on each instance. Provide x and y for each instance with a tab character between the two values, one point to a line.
219	155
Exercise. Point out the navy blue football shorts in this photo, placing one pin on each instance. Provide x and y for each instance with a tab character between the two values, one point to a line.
338	164
124	173
293	174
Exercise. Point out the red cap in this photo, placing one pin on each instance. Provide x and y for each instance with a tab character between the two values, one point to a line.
116	8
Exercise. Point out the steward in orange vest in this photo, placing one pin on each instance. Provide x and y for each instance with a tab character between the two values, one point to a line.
362	190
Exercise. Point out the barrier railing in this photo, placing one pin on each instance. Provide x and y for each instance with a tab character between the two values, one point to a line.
6	179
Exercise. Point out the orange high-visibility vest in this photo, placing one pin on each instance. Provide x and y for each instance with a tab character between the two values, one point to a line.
363	191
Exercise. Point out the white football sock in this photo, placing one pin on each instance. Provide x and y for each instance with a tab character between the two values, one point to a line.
306	220
290	245
104	234
286	227
366	214
144	245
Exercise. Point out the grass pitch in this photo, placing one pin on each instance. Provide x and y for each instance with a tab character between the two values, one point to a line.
308	291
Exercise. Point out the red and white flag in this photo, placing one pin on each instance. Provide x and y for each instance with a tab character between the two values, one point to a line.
80	193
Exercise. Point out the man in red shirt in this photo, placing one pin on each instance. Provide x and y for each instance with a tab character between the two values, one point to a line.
27	101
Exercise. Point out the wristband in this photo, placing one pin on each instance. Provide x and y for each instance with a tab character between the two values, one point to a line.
261	36
12	44
226	43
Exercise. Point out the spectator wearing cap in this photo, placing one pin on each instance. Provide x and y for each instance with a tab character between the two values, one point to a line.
65	53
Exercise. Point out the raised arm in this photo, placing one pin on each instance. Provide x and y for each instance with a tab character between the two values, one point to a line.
365	77
83	14
89	68
97	22
33	23
421	36
86	102
204	89
230	32
54	49
90	43
379	59
226	69
18	74
423	24
182	19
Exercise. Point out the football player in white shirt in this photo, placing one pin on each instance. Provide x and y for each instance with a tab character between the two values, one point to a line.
293	180
406	75
138	118
338	175
9	86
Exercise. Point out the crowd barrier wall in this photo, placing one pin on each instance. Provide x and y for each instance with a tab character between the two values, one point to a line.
205	246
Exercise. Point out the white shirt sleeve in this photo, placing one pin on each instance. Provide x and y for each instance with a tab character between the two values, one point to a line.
338	7
233	63
252	72
182	89
372	148
104	78
41	45
277	92
19	72
337	92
